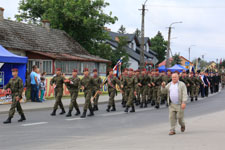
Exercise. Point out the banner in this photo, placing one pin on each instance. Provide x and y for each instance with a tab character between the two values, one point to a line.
6	98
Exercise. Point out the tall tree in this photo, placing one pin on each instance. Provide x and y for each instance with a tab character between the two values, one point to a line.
176	59
137	32
122	29
159	45
83	20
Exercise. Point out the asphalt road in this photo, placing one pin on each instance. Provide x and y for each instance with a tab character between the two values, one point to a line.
103	131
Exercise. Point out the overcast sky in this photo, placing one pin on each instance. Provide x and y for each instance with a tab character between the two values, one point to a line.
203	22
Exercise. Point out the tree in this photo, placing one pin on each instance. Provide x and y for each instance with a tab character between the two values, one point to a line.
137	32
119	52
83	20
122	29
176	60
159	45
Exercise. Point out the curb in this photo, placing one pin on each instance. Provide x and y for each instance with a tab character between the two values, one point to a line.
47	108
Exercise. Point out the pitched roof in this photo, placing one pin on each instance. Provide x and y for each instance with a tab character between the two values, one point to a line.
27	37
113	35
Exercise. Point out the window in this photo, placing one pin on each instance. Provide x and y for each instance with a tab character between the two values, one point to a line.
102	68
90	65
43	65
68	66
47	66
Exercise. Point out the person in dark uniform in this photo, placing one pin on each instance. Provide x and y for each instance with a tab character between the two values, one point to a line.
16	86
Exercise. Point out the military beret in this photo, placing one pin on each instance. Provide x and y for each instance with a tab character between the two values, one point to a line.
178	72
143	69
14	70
85	69
163	71
95	70
131	69
156	69
169	71
58	69
74	70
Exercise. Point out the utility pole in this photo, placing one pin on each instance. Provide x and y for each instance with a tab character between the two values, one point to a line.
142	57
168	45
189	52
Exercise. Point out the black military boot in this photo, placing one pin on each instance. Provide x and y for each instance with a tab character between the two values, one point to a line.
108	109
69	113
95	108
91	112
153	103
192	99
78	112
113	108
7	121
124	104
54	112
141	106
196	98
146	105
157	106
22	118
63	111
132	109
127	109
84	114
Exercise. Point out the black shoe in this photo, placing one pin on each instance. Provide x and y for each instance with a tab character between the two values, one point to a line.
146	105
22	118
78	112
91	112
95	108
69	113
127	109
132	109
124	105
157	106
192	99
108	109
153	103
54	112
113	108
84	114
7	121
196	98
62	112
141	106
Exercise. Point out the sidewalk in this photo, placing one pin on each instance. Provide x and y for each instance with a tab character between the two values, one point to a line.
48	104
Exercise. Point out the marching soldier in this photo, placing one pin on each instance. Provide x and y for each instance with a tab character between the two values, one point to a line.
143	83
150	89
16	86
198	83
223	77
73	85
87	83
96	88
156	81
111	82
193	85
131	83
138	89
57	81
166	79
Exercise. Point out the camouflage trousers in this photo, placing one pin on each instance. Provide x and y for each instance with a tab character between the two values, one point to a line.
112	94
73	102
138	91
156	94
130	95
58	98
144	93
15	105
87	96
150	93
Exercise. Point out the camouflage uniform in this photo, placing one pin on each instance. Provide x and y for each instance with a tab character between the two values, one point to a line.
223	77
144	80
87	82
16	87
97	85
111	82
138	92
124	98
198	82
131	83
73	86
58	80
165	79
157	80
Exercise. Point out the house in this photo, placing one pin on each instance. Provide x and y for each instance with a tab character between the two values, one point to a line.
47	48
184	62
133	48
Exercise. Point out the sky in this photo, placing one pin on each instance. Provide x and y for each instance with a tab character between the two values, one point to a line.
203	23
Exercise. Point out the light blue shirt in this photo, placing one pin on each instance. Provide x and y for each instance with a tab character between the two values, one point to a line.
32	77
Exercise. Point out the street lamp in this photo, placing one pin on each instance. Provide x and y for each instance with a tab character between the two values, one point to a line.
189	51
168	45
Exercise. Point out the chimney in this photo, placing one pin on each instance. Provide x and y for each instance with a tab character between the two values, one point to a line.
1	13
46	24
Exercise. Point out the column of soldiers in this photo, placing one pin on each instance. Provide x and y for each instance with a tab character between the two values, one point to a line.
137	87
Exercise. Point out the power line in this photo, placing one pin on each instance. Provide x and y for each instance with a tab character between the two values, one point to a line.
195	7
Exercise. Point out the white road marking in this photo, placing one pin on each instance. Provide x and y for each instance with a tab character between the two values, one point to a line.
33	124
75	119
112	114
